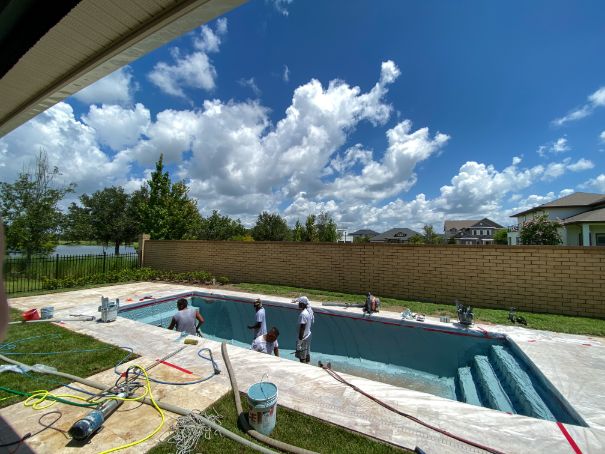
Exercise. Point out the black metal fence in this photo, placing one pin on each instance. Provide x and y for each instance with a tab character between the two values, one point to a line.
37	273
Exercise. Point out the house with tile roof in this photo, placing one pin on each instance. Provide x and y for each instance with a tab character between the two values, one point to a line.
470	231
582	217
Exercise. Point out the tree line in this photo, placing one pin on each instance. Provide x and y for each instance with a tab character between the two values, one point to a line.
34	222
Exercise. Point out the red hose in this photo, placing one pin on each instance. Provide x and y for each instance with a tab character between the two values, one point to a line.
413	418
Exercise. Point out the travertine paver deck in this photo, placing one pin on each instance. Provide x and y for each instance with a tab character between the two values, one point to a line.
574	364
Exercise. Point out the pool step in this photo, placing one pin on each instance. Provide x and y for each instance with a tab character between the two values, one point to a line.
491	391
466	386
518	385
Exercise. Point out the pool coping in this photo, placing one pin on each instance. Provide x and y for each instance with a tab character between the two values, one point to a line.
479	423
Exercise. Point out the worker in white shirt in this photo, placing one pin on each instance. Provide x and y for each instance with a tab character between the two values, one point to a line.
267	343
305	320
260	325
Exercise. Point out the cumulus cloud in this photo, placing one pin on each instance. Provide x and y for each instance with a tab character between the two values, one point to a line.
71	145
116	88
191	70
391	175
286	74
558	146
595	184
602	136
580	165
116	126
595	100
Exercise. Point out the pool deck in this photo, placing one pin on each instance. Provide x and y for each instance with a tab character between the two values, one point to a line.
574	364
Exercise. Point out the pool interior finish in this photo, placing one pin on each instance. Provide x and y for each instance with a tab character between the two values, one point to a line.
478	370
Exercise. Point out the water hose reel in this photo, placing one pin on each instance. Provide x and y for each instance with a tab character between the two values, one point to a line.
109	309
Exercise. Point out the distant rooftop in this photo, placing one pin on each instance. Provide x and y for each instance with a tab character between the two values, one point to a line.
577	199
364	232
398	233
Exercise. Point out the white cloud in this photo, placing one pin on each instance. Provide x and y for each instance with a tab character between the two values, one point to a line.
595	100
595	184
558	146
194	70
171	135
581	164
602	136
250	83
71	145
281	5
286	74
116	88
394	173
116	126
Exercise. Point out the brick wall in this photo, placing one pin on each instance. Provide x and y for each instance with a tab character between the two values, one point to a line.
563	280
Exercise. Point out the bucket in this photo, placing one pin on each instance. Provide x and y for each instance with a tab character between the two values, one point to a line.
47	312
31	314
262	402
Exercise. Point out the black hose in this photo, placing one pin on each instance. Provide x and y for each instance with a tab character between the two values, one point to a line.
242	417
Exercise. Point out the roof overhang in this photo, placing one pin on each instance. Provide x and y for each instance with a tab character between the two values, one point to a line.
90	41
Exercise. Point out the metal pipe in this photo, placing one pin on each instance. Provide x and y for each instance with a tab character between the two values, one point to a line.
164	406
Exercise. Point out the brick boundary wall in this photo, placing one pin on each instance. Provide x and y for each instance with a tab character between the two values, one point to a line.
551	279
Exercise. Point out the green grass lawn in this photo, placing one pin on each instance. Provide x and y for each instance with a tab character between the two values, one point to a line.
549	322
50	337
292	427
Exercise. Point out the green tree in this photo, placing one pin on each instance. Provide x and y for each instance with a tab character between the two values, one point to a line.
430	236
164	209
361	239
270	227
540	230
298	232
417	239
217	227
326	228
310	231
29	207
501	236
110	215
76	224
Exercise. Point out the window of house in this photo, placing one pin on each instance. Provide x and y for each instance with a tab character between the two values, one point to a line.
599	239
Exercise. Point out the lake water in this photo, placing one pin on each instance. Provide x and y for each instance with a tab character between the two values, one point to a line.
75	249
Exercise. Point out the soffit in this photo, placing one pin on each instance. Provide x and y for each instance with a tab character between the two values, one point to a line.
91	41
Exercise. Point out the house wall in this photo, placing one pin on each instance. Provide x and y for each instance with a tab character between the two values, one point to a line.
554	279
553	214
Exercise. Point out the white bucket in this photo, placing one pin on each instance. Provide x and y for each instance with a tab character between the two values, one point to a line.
47	312
262	402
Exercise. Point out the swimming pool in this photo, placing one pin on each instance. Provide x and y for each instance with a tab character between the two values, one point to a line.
478	368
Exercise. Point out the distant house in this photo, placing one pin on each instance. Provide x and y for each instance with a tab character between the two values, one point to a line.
396	235
367	233
582	217
471	231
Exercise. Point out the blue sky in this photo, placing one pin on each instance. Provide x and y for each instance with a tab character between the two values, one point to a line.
384	113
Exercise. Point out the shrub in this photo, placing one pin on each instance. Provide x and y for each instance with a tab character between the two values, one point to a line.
223	280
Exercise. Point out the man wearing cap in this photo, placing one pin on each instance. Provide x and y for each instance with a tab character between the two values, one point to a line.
305	320
260	325
267	343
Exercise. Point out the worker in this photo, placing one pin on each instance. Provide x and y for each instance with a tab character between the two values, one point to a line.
305	320
267	343
185	319
260	325
372	304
